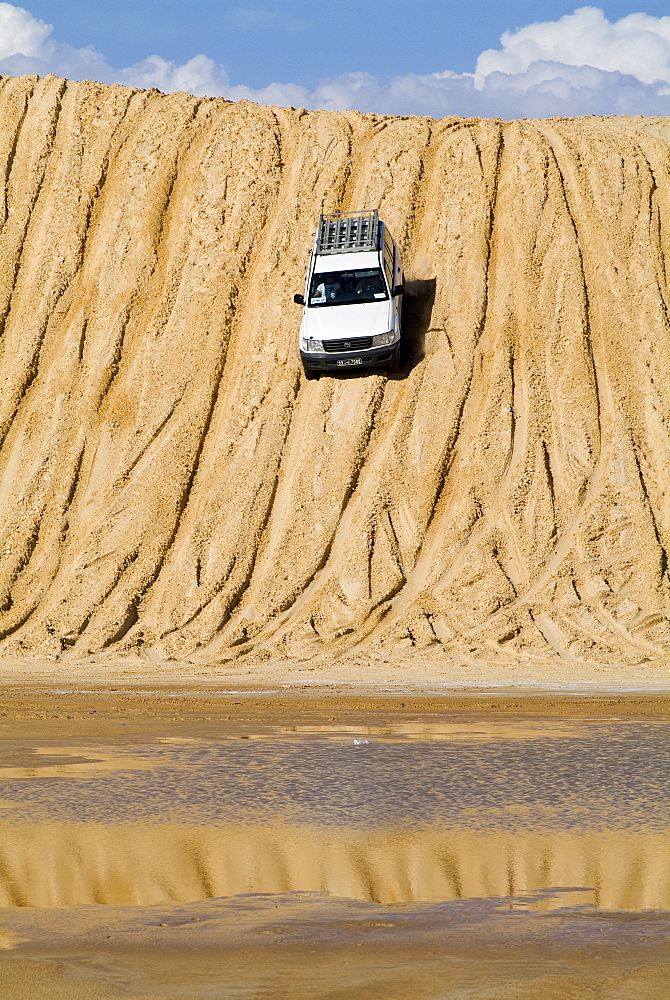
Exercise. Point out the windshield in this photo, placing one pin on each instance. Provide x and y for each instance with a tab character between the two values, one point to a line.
337	288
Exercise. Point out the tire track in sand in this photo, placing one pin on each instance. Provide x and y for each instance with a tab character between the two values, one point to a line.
171	487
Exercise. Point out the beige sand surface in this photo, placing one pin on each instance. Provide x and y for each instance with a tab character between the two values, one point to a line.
172	489
310	949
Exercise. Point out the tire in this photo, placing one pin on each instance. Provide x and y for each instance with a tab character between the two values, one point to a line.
395	366
310	374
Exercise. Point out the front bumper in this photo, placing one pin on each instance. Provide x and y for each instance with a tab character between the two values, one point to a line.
371	358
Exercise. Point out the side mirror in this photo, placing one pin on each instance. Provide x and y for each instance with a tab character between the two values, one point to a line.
399	290
299	299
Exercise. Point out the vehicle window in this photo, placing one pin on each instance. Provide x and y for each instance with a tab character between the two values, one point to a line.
336	288
388	266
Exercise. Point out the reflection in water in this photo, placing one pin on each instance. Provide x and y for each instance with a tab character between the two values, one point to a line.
382	814
55	866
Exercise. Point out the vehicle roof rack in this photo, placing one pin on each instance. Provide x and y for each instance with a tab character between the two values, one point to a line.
346	232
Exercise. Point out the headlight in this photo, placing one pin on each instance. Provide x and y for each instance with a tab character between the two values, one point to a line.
312	345
382	339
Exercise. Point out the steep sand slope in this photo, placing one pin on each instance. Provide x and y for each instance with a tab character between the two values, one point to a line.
171	484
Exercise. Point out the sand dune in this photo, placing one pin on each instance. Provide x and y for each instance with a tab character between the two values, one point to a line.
171	485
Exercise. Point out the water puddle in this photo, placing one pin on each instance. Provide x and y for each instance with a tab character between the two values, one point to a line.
543	813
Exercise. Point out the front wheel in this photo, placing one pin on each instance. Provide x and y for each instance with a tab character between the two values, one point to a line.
396	365
310	373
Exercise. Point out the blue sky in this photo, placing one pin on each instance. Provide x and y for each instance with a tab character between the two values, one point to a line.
290	40
404	56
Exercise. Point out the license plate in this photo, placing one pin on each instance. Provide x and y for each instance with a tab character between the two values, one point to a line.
349	361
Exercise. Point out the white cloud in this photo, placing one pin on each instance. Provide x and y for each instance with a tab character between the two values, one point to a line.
26	46
20	32
544	90
580	64
200	75
637	45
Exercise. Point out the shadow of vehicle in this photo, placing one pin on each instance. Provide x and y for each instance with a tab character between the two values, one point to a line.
417	312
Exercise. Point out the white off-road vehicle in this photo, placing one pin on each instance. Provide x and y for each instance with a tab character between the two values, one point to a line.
353	296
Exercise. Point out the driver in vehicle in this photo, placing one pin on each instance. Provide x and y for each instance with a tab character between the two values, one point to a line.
371	283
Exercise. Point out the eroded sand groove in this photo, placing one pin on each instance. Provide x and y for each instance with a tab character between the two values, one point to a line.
170	483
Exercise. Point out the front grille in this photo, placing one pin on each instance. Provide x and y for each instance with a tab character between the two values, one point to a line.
354	344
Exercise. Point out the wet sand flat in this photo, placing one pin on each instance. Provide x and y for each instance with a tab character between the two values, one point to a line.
328	844
310	948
